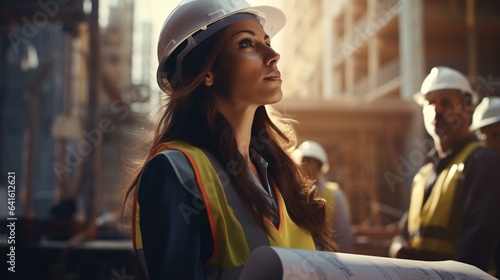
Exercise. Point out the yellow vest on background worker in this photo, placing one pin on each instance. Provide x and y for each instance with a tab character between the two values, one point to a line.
328	193
432	228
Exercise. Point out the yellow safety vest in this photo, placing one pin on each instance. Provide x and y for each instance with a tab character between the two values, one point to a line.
328	193
432	227
235	234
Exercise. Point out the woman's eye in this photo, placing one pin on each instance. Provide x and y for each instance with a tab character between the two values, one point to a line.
246	43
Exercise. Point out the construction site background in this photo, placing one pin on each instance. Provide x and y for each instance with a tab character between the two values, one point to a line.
78	102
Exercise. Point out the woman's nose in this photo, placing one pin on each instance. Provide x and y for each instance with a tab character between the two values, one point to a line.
271	56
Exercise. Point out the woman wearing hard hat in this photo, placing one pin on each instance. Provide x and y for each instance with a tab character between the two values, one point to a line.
486	122
218	181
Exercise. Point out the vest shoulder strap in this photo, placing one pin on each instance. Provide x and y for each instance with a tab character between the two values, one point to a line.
332	186
183	171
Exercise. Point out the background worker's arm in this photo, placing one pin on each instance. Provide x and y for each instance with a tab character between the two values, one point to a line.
400	248
175	230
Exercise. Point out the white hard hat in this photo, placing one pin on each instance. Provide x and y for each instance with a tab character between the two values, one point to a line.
486	113
313	150
191	16
443	77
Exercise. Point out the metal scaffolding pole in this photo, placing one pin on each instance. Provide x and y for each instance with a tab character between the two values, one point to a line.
92	163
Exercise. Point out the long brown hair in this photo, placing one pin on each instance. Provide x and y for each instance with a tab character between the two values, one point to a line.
191	116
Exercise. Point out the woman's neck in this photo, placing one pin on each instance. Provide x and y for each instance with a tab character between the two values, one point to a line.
241	121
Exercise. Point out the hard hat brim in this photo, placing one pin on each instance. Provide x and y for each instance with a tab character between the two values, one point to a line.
485	122
419	98
275	18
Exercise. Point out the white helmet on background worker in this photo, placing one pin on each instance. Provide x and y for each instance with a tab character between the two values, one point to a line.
486	113
442	77
208	17
314	150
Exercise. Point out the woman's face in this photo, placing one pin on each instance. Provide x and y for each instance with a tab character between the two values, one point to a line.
246	74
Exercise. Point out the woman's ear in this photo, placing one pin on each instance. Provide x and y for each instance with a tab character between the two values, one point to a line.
209	79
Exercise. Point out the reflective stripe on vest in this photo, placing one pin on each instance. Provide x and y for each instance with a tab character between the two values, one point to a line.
430	226
234	231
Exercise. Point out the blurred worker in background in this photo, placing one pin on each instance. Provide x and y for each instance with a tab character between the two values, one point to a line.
453	212
486	122
314	160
